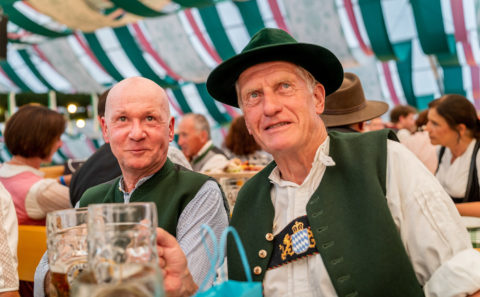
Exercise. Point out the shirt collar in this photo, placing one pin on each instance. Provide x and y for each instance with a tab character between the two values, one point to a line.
204	148
127	195
321	158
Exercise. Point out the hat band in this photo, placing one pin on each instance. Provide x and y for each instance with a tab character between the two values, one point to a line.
344	111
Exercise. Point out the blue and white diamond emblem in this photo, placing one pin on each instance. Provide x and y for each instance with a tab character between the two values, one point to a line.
300	241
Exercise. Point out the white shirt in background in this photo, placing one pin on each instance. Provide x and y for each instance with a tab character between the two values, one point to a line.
8	243
454	177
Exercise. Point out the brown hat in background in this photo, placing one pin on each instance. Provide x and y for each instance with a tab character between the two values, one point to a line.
348	105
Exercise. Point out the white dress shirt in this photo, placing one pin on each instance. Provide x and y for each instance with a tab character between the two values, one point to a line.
454	176
430	228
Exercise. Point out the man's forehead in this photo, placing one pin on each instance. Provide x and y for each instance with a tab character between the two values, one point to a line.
284	68
123	104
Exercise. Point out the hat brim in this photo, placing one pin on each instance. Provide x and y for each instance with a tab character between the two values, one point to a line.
372	110
317	60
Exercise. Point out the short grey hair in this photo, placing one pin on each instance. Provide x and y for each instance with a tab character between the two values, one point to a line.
200	122
302	72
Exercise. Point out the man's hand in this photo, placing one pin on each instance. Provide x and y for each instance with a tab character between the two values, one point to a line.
476	294
177	280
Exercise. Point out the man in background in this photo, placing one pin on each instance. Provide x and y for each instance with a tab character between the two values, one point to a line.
403	119
195	141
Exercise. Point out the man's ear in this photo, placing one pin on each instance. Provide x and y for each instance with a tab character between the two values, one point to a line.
319	98
171	129
104	129
204	136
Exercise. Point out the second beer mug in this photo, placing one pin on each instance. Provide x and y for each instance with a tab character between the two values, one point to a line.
67	248
120	237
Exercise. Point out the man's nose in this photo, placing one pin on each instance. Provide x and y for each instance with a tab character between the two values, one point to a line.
271	103
137	131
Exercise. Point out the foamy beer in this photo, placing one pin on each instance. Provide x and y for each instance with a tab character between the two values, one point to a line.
138	280
67	248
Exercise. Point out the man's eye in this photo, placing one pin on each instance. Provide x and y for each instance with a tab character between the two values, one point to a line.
122	119
285	85
150	118
253	95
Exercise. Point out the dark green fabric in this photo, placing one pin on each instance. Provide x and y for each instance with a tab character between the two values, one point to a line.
404	68
171	188
181	100
252	18
453	80
354	231
102	57
26	58
13	76
195	3
24	22
220	117
422	101
430	28
372	15
135	54
216	32
138	8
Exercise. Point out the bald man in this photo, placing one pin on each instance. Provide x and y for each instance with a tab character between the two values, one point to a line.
139	127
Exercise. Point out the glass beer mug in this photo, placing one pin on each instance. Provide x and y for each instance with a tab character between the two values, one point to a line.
122	252
67	248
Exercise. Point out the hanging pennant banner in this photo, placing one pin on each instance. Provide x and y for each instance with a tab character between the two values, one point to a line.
372	15
430	27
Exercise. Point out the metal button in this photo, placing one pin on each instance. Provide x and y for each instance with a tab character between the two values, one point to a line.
257	270
269	236
262	254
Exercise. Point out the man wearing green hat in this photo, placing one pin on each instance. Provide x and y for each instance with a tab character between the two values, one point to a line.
338	214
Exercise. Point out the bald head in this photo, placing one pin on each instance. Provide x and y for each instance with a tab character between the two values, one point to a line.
139	88
138	126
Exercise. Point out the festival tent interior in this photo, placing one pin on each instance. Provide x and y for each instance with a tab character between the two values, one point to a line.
63	53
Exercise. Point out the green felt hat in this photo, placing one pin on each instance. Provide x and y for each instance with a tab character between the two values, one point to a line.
269	45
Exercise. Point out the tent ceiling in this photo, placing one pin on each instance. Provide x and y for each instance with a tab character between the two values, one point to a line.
404	51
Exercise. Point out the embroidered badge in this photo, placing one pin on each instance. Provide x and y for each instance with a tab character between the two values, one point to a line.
295	241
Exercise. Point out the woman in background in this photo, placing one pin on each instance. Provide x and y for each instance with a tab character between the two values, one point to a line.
32	135
241	145
453	124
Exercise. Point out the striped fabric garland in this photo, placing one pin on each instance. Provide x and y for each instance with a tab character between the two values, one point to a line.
353	22
198	34
101	56
148	48
462	37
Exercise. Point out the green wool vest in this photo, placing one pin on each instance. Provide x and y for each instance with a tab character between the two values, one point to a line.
171	188
353	228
